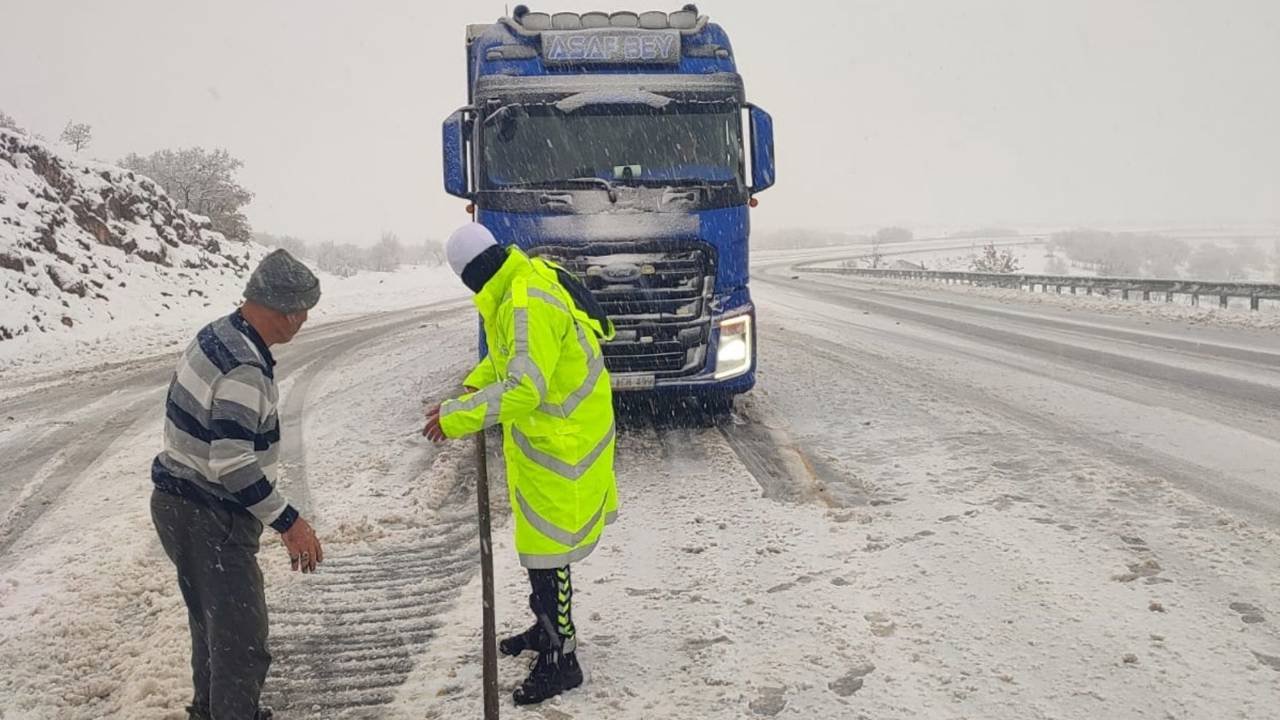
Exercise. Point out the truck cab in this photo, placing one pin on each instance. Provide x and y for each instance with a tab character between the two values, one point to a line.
622	147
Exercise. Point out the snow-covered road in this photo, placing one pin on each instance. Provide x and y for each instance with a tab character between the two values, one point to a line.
1198	406
934	505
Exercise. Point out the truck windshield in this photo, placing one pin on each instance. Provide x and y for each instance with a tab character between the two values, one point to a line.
539	146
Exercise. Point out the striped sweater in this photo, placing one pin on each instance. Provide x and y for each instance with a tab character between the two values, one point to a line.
221	431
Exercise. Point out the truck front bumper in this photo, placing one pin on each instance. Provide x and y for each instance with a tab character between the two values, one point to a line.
729	369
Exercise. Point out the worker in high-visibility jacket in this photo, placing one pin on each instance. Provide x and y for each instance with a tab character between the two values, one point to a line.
544	380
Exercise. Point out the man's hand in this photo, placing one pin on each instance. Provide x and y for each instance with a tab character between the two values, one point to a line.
433	430
304	548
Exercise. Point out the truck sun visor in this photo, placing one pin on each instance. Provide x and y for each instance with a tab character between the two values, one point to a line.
576	102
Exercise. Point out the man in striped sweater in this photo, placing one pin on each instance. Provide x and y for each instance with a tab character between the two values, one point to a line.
215	487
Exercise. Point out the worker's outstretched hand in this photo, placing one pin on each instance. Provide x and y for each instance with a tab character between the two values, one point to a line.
303	545
433	430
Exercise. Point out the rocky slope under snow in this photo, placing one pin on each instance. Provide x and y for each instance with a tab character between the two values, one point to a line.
85	246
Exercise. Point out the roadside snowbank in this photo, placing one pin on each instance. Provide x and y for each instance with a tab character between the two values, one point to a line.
1237	314
132	336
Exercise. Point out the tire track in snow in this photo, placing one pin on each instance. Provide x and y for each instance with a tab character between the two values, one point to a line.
349	638
783	470
312	365
346	638
60	460
89	419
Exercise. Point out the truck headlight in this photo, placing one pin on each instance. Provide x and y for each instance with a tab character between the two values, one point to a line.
733	354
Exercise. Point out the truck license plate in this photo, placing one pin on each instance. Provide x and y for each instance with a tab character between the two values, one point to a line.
632	382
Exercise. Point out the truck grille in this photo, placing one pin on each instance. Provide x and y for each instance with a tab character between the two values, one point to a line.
658	295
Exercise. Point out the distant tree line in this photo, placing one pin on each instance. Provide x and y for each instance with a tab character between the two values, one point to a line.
796	239
1158	256
347	259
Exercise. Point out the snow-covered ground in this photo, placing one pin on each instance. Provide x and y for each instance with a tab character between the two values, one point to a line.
1259	245
933	505
88	249
99	266
90	624
131	335
978	531
939	502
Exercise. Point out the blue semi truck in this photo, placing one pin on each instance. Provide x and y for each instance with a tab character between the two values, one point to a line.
621	146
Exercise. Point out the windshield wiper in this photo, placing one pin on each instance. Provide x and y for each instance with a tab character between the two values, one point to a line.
701	183
608	186
551	184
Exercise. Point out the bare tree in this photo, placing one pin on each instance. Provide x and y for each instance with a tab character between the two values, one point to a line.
428	252
387	254
433	252
201	181
7	122
876	258
296	246
993	260
342	260
77	135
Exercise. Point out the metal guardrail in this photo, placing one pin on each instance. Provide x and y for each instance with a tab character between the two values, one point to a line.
1194	289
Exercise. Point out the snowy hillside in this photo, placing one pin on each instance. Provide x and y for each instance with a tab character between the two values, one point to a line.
85	246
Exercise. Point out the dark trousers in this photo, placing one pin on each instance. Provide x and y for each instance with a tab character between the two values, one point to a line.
552	605
215	550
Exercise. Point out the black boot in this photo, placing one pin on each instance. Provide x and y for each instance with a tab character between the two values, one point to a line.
535	638
552	674
570	671
556	669
198	713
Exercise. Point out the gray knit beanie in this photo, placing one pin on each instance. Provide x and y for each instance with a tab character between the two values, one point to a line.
283	283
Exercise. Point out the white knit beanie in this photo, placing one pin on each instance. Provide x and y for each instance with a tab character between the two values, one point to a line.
466	243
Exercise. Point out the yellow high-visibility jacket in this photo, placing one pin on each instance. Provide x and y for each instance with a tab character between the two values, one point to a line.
544	379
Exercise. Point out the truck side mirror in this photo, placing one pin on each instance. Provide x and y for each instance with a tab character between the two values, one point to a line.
455	155
762	171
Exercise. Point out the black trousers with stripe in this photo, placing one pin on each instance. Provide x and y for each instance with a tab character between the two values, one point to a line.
552	605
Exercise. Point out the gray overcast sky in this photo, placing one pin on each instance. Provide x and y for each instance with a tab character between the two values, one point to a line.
926	112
